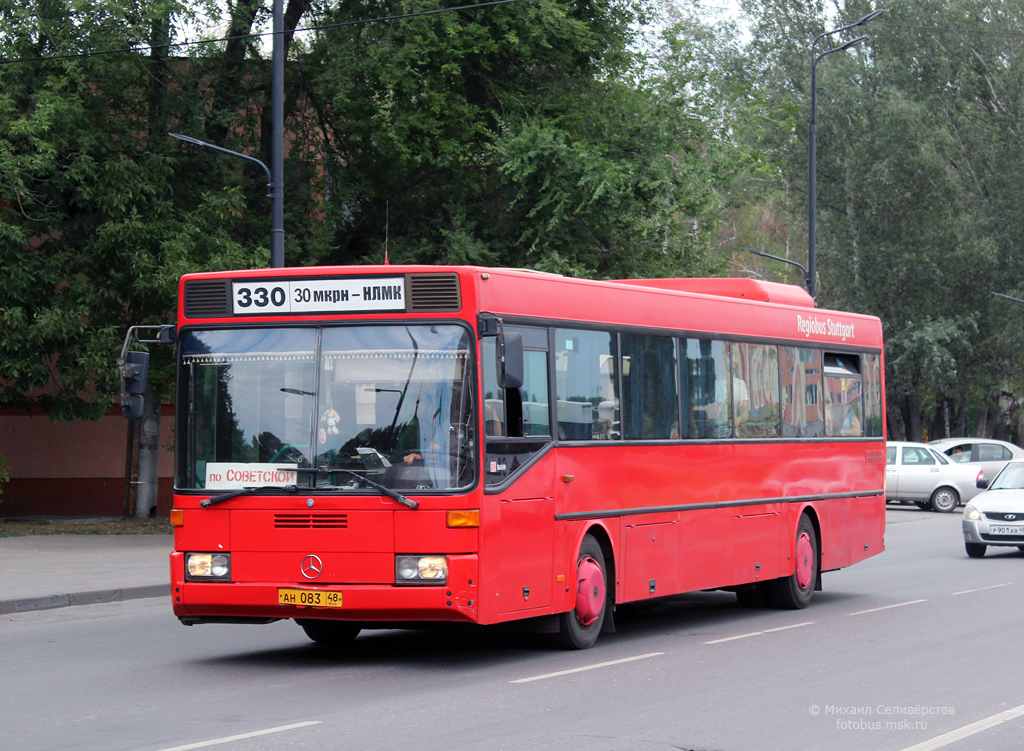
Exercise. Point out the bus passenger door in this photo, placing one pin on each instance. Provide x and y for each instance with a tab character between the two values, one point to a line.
520	477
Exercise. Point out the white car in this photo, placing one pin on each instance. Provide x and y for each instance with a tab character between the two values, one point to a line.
996	516
988	453
919	474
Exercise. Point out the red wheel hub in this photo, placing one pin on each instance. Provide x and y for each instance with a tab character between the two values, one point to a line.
804	560
589	591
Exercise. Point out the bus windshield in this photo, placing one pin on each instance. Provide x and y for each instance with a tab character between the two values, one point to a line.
324	406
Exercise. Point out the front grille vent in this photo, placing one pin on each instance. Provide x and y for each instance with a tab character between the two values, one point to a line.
434	292
996	516
310	521
207	298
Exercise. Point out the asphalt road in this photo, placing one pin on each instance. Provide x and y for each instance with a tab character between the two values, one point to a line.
913	649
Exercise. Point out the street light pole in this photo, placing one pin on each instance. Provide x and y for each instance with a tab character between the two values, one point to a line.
277	140
812	135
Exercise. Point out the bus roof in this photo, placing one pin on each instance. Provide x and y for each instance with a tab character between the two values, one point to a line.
749	289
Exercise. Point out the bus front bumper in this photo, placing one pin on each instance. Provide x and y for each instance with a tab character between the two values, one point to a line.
457	600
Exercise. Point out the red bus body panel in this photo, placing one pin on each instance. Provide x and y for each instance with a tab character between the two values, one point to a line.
670	512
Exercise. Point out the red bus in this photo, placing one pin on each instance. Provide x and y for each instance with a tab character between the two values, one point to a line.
389	446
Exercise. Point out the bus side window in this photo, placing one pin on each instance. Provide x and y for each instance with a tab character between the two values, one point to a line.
843	389
650	387
801	393
872	395
755	368
587	385
707	377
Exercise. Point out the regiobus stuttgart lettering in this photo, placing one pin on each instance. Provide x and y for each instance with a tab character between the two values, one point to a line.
826	327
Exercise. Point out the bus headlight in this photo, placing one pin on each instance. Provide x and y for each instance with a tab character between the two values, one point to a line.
208	566
421	569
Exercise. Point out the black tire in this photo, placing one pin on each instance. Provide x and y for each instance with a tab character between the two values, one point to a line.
945	500
975	549
579	628
794	592
334	633
753	596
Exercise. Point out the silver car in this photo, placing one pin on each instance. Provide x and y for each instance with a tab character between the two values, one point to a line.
919	474
996	516
988	453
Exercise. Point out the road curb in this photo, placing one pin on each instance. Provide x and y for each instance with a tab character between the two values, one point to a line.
50	602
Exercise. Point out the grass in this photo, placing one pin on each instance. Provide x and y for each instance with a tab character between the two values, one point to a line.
91	525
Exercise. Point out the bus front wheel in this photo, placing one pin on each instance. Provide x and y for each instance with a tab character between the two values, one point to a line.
334	633
794	592
579	628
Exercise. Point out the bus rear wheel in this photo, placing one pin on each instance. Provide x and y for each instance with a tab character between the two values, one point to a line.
794	592
579	628
334	633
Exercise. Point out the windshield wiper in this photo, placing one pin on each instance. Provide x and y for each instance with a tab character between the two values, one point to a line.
385	490
207	502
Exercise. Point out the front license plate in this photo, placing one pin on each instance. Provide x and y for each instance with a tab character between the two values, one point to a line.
1006	529
309	598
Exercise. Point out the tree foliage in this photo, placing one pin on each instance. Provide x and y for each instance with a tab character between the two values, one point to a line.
919	190
527	134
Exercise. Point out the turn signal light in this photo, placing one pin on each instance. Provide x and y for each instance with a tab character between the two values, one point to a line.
464	518
177	517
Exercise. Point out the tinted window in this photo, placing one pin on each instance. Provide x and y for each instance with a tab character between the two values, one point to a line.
801	393
872	395
993	452
650	391
587	385
707	392
843	389
755	390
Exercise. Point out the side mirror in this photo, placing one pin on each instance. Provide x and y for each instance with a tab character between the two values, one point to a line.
982	482
134	374
510	367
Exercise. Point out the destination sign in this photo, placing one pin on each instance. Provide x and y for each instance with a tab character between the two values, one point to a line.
362	295
234	475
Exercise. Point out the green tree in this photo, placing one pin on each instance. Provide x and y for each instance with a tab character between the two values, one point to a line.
918	190
529	134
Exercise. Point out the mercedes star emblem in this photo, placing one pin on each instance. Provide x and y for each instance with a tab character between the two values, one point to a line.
311	566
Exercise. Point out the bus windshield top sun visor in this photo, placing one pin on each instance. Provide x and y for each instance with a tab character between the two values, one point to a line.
362	478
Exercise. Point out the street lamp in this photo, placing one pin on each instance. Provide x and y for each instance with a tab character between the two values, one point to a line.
812	133
274	192
807	279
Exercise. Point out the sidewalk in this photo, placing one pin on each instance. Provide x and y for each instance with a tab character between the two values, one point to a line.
55	571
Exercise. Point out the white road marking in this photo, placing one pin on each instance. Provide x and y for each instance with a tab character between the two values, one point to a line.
758	633
888	607
968	730
243	736
982	589
578	670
